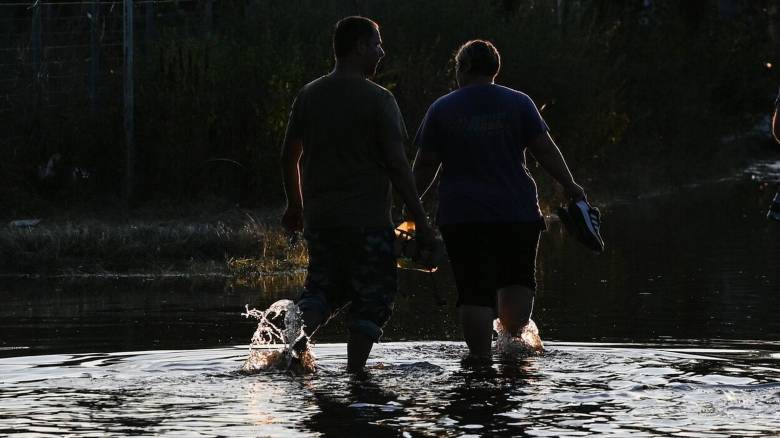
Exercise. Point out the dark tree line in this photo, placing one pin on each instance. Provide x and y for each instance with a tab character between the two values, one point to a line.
622	84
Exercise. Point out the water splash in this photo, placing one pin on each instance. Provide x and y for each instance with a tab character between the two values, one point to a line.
281	324
528	343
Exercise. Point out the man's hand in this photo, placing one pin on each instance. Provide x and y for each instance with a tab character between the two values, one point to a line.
423	231
292	220
430	246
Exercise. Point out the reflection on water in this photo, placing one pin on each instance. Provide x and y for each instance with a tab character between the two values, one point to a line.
121	315
421	389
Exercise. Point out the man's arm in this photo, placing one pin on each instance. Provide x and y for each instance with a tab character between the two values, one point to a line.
549	156
392	134
426	165
401	177
292	150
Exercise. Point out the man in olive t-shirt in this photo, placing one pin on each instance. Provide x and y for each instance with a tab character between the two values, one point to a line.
342	120
343	149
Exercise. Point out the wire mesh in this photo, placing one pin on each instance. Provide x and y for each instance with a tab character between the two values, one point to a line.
59	40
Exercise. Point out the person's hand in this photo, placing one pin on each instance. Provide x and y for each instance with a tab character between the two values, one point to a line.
424	232
430	247
575	191
292	220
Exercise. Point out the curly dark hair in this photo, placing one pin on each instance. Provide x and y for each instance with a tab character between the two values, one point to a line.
478	57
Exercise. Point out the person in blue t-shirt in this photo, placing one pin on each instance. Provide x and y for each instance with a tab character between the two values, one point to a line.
489	216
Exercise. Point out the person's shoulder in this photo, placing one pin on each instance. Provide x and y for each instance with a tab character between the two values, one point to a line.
516	97
313	85
446	100
508	91
377	89
452	95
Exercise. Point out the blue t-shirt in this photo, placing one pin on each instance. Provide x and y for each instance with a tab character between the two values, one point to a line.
480	132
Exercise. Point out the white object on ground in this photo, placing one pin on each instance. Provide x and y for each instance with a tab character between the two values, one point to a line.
24	223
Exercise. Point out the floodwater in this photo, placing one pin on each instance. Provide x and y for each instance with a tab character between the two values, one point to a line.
414	388
673	331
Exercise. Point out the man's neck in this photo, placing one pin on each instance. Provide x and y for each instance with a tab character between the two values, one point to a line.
345	68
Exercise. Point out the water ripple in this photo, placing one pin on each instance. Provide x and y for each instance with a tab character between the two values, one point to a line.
414	388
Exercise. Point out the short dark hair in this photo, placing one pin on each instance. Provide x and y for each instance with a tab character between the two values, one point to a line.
478	57
349	32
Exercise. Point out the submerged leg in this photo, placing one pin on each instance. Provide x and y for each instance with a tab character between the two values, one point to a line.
515	304
358	348
374	282
477	324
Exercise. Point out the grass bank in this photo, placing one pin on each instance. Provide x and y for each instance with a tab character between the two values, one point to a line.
160	240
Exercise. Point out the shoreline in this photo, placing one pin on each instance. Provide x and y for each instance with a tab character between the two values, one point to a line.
235	244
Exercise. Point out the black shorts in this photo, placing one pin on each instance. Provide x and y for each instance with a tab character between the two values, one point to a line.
488	257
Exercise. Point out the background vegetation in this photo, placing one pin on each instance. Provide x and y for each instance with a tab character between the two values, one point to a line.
636	95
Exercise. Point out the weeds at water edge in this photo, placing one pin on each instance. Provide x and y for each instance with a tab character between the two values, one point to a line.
240	246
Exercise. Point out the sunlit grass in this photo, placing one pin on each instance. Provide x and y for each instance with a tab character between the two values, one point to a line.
278	256
238	245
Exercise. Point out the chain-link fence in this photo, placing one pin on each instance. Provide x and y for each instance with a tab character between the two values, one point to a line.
70	63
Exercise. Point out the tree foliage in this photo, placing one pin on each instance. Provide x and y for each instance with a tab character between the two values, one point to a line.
623	85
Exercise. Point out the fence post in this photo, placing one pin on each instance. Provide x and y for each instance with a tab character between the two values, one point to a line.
128	101
773	15
252	9
208	10
94	55
150	30
560	11
37	41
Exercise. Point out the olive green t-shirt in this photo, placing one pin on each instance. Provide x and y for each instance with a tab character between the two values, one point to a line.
342	122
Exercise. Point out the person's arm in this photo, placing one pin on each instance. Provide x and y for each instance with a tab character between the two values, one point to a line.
392	135
426	165
291	156
550	157
401	177
292	150
776	126
427	162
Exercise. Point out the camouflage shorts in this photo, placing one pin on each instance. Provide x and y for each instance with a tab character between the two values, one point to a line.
351	266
